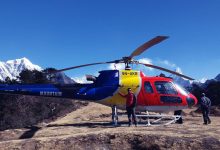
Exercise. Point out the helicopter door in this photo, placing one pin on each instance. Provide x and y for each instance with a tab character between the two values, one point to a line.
149	95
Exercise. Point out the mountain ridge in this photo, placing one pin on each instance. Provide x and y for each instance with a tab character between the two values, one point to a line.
12	68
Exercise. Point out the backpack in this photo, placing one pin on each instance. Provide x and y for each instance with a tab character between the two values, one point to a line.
206	102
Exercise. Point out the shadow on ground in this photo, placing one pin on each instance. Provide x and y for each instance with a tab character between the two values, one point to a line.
30	133
90	125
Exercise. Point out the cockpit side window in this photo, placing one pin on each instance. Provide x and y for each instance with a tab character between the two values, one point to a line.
164	87
148	88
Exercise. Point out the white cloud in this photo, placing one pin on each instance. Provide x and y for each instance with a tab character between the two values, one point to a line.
145	61
179	70
167	63
171	66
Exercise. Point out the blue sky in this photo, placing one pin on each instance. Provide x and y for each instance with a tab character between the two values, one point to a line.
55	33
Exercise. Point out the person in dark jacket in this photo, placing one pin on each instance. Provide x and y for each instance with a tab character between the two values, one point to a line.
130	106
205	107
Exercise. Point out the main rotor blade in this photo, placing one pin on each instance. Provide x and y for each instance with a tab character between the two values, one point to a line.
85	65
147	45
167	70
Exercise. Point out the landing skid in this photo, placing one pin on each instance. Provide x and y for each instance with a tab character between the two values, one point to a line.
157	120
146	119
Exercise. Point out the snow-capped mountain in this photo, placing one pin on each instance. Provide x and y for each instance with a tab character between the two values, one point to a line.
12	68
202	83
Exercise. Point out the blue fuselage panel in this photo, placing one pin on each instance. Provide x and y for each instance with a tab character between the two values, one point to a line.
105	85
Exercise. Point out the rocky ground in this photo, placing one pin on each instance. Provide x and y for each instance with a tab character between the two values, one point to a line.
89	128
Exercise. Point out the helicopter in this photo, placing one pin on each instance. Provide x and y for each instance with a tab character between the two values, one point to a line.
154	94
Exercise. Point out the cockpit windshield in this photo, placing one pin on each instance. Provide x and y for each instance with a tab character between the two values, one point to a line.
181	89
164	87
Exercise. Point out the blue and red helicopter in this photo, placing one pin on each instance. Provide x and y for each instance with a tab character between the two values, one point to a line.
157	94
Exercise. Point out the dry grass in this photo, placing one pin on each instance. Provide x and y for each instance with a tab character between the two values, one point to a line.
89	127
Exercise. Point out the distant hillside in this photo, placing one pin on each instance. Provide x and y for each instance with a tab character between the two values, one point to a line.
211	88
216	79
17	111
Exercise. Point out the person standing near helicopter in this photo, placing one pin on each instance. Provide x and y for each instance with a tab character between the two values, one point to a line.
130	105
205	107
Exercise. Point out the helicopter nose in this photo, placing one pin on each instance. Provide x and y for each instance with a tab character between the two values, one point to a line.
191	101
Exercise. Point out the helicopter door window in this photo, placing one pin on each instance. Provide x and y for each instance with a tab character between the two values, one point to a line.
164	87
148	88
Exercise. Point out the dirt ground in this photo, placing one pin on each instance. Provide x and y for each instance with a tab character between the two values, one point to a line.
90	128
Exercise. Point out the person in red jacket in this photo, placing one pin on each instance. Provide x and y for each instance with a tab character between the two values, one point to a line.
130	105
